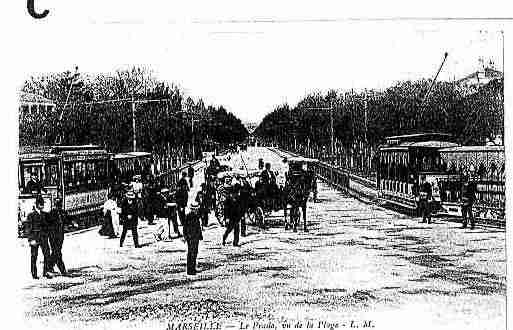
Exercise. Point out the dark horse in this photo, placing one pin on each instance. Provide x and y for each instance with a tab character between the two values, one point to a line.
295	193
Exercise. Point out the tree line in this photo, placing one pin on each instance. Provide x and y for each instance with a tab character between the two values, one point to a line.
362	119
97	109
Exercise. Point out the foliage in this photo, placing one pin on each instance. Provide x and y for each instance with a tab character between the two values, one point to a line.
97	109
369	116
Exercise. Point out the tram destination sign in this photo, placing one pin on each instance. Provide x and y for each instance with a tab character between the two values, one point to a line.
85	199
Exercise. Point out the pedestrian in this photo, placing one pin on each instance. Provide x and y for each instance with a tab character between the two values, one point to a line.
192	235
245	196
425	198
202	200
314	186
58	219
129	218
137	186
182	196
150	199
232	213
468	198
190	173
170	212
36	231
111	213
215	162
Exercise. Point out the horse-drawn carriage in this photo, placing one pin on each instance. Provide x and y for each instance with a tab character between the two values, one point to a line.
242	181
300	181
260	199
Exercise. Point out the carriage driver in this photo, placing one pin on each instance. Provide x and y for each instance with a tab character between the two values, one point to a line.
268	180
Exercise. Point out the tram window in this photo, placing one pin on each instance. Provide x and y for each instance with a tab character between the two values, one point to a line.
29	171
68	174
493	172
90	173
481	171
51	175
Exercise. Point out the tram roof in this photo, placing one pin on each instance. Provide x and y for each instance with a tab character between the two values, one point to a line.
48	152
85	147
418	137
473	149
132	154
435	144
301	160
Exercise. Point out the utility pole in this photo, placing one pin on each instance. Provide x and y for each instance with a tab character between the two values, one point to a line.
331	134
192	132
503	81
134	135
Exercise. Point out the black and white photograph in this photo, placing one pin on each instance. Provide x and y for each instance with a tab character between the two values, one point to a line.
217	166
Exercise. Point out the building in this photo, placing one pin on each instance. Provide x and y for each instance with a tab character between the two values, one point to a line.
34	105
472	82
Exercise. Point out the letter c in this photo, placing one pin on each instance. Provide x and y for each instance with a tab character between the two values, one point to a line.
32	11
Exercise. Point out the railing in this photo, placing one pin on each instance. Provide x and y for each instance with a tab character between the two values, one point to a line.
170	178
355	185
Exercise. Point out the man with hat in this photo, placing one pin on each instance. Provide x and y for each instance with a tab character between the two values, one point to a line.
268	180
424	199
182	196
36	231
202	200
137	186
129	218
233	213
190	173
58	219
468	198
192	235
169	211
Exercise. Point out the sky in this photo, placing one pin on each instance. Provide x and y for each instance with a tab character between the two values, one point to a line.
251	58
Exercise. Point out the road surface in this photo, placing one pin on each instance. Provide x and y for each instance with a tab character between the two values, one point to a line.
358	262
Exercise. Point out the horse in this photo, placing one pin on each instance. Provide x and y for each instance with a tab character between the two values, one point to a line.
295	193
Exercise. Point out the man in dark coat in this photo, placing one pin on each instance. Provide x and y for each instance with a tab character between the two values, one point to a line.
190	173
245	196
202	200
468	199
192	235
36	231
215	162
233	213
169	211
182	196
268	180
130	218
425	198
58	219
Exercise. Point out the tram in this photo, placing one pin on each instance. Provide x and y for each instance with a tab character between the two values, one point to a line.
403	159
482	166
79	175
126	165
